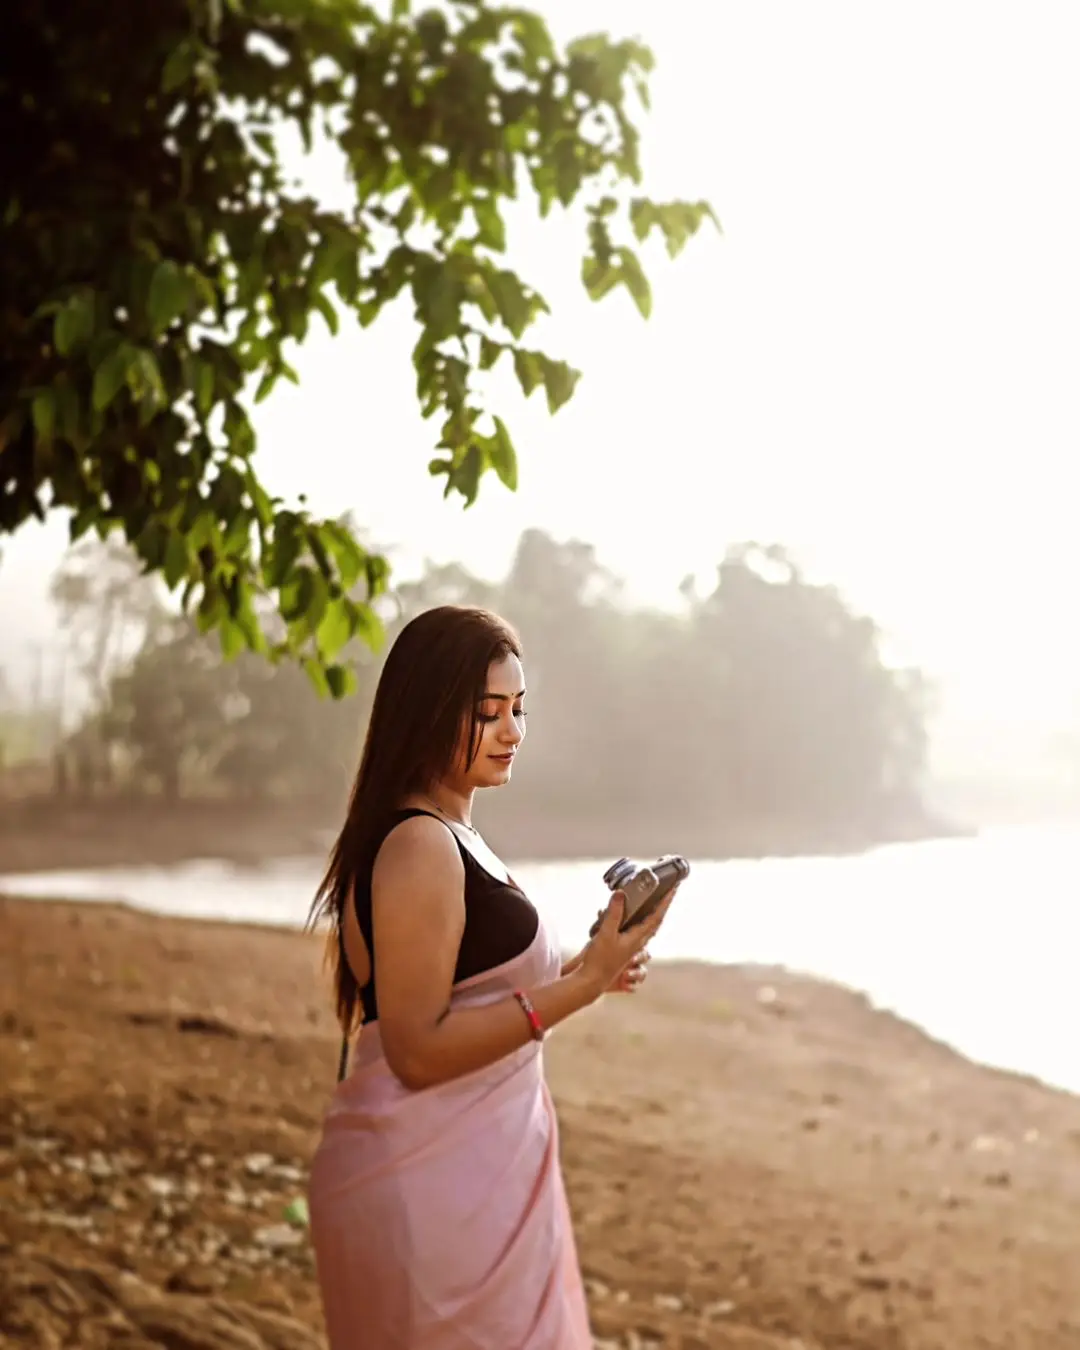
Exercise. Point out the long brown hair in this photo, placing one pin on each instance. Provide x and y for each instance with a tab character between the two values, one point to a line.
430	689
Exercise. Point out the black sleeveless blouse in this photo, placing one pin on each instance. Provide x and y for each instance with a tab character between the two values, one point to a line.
500	920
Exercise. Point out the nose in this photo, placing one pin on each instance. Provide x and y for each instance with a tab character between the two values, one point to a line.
511	733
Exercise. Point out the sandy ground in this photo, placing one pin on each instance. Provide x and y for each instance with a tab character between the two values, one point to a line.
755	1162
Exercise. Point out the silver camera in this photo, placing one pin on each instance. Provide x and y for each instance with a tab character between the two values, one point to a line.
644	887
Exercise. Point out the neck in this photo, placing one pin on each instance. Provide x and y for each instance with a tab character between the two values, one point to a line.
452	803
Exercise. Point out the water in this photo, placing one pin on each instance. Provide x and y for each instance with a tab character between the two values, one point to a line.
972	939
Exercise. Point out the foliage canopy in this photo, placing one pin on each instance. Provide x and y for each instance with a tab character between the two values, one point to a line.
158	263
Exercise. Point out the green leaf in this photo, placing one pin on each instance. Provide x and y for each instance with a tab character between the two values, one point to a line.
43	412
529	369
678	222
178	559
232	639
298	594
283	553
296	1213
642	218
112	375
377	573
517	307
247	621
599	277
204	387
635	281
168	297
145	382
560	381
492	231
489	352
369	626
180	65
212	610
325	306
503	457
335	629
346	552
317	674
465	477
305	597
341	681
74	323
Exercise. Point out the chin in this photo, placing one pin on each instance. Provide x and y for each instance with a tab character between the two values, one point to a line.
498	775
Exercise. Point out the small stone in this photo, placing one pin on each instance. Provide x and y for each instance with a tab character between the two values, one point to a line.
278	1237
255	1164
990	1143
723	1307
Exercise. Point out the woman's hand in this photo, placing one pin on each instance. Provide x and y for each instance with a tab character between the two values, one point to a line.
614	960
632	978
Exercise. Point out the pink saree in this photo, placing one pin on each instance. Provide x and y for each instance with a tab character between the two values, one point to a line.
439	1217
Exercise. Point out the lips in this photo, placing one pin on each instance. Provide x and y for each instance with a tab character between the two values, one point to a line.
504	759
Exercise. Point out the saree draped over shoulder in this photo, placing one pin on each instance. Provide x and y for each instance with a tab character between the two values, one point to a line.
439	1217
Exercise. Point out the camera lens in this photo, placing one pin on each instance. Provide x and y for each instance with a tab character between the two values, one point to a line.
618	873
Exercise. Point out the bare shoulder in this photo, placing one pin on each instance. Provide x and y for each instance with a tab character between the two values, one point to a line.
420	851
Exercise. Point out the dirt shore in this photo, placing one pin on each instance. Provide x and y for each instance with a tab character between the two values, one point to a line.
755	1162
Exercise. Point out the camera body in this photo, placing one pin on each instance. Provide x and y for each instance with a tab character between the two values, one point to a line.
644	887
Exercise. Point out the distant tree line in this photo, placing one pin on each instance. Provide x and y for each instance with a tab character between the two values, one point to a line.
766	699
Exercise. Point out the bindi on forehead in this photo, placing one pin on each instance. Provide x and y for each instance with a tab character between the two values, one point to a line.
502	698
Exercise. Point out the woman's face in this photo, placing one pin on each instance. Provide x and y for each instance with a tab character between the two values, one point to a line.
500	718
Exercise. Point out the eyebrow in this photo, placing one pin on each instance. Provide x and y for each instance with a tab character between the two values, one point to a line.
503	698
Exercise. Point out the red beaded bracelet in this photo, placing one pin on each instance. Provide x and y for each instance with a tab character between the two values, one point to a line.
530	1012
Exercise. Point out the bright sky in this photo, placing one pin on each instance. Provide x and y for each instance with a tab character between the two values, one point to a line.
877	365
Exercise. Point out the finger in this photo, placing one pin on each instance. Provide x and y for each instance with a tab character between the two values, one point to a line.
615	912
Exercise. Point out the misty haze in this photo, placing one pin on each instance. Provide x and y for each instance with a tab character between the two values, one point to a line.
785	523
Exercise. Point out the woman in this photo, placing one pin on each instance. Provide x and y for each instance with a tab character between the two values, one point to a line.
438	1213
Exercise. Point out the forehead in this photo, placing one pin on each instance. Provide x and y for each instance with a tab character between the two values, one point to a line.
505	677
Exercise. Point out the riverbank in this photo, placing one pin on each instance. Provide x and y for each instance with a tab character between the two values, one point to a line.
44	834
755	1161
